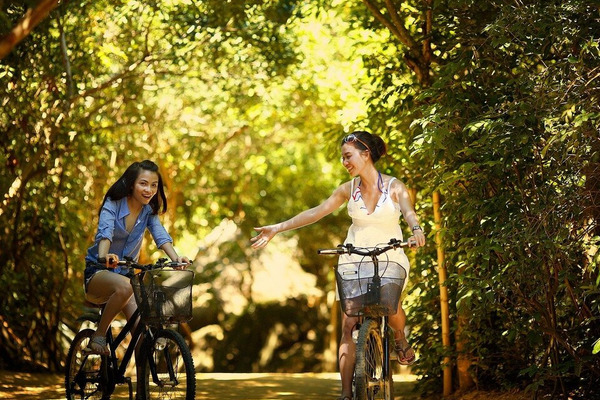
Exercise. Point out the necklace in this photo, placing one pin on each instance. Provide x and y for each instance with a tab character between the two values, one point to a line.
379	182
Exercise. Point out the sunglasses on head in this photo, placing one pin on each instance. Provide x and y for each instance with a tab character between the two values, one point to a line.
351	138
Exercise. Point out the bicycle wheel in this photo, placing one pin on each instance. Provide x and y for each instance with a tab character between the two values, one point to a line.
167	368
389	382
368	373
82	376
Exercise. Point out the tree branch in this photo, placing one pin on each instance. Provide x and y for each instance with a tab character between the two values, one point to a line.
427	31
112	80
402	32
415	57
30	20
67	63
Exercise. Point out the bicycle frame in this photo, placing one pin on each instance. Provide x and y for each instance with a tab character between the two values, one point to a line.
157	363
374	328
114	343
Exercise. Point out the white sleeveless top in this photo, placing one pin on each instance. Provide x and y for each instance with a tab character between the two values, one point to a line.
371	230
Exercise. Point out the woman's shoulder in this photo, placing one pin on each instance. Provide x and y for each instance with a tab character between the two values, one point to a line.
396	187
111	204
392	181
344	188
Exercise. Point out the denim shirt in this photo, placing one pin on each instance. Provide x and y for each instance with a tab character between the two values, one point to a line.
111	226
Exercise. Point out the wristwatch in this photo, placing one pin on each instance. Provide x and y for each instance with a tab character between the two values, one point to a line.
417	228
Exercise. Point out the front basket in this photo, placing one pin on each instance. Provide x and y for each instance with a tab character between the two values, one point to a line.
164	296
362	293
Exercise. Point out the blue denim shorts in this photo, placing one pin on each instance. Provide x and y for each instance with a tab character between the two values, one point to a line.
91	268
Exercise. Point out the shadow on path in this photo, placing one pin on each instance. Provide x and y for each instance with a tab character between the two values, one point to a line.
28	386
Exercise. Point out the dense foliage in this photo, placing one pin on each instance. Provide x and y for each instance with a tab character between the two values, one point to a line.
101	84
508	132
492	104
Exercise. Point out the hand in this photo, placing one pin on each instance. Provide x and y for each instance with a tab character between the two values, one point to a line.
417	239
112	261
265	234
182	260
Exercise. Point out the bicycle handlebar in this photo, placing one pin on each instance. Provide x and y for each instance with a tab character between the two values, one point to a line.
348	248
161	263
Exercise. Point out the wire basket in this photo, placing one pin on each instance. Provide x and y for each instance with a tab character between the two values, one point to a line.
164	296
363	293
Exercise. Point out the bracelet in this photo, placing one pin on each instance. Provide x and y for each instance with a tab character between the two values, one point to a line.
417	228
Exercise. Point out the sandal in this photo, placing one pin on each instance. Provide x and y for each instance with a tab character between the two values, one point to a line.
97	345
401	351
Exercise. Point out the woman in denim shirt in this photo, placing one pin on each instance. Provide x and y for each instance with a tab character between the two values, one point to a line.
130	206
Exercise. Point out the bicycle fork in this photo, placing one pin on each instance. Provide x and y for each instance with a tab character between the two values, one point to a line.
154	347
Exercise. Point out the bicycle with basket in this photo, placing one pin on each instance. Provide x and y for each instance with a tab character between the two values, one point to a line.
371	291
164	297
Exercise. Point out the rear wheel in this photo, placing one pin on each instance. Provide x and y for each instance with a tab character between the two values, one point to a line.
167	370
83	371
368	373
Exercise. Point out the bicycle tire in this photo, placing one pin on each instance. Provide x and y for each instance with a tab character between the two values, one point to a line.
83	371
168	348
389	381
368	372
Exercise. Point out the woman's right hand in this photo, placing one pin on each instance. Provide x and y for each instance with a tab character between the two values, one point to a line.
265	234
112	261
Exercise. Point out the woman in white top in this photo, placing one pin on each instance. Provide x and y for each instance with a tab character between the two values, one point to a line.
375	202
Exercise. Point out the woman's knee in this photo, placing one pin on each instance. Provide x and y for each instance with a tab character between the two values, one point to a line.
130	307
114	286
123	291
348	324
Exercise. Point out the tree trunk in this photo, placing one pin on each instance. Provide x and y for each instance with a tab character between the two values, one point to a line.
463	361
447	363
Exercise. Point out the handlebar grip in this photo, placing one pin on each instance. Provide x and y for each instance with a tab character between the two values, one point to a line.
102	260
331	251
174	264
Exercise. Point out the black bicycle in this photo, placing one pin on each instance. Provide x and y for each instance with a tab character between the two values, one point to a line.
163	295
370	289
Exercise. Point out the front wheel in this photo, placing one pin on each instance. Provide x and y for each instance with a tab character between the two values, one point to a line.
167	368
83	378
370	382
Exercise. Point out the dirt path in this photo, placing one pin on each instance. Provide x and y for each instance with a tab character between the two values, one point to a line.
28	386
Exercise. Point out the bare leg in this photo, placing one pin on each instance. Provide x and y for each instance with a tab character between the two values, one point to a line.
398	323
112	289
347	354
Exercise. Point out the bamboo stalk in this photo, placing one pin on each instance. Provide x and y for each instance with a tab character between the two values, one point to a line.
447	365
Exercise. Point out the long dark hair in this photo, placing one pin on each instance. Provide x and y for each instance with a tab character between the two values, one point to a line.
124	186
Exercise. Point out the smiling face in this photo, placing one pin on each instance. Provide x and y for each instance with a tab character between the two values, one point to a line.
145	187
353	159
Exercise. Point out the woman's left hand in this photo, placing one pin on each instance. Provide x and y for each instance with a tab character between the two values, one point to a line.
183	260
417	239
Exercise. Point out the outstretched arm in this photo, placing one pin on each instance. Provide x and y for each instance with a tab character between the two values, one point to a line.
307	217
